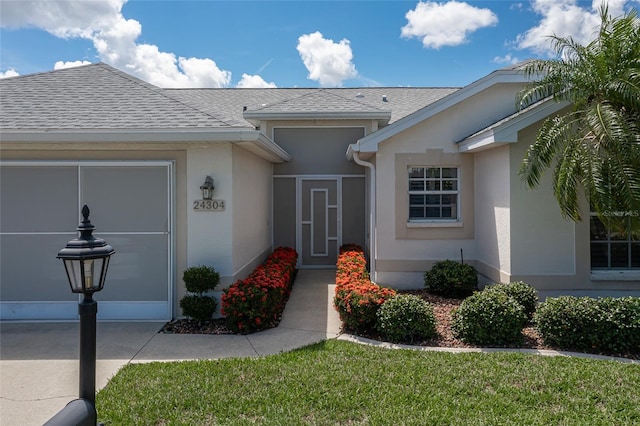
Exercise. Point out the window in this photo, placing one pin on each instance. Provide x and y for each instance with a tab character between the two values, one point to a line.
613	248
433	193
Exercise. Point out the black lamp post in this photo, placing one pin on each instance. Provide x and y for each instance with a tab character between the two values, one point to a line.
86	260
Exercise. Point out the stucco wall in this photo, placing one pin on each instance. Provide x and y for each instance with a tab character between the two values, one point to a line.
552	253
405	251
317	150
210	233
492	212
252	218
543	242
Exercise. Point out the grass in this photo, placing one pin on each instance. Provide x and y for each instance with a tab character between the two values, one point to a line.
342	383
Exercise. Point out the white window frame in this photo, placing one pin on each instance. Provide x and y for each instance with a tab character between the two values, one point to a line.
456	192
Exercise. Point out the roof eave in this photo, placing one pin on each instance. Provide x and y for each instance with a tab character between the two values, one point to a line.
255	117
506	131
250	139
370	143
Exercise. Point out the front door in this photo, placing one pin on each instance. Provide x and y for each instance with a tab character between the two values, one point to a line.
320	218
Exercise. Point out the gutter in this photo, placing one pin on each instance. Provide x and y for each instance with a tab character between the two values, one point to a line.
353	153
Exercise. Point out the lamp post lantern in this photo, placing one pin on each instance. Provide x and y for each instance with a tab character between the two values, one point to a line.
86	260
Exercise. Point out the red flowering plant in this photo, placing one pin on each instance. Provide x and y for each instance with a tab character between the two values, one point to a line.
257	302
357	299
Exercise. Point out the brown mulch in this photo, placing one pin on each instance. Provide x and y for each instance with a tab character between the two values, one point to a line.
442	309
187	326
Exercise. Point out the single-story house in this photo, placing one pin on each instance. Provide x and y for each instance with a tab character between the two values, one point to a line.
414	175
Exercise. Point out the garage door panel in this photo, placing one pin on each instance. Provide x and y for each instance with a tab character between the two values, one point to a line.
130	206
137	274
38	199
29	269
127	199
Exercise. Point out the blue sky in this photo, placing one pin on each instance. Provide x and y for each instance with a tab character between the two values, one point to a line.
290	43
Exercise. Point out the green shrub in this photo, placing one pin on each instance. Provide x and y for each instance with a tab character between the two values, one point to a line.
451	279
199	279
406	319
522	292
198	307
610	325
489	318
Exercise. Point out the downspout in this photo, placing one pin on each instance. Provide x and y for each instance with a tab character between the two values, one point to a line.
372	208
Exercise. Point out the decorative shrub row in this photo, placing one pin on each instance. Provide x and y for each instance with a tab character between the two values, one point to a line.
451	279
257	302
406	318
609	325
351	265
357	299
198	280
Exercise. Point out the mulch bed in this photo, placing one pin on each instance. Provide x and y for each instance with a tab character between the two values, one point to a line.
442	308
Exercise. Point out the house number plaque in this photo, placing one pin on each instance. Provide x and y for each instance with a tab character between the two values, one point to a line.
208	205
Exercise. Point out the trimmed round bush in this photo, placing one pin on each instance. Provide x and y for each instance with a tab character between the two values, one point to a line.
406	319
451	279
490	318
522	292
198	307
198	279
610	325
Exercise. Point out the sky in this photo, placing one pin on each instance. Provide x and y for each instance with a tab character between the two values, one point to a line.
271	43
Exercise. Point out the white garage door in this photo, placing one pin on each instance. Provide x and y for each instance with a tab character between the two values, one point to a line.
130	205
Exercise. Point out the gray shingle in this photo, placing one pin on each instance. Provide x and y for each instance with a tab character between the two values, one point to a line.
96	97
100	97
401	101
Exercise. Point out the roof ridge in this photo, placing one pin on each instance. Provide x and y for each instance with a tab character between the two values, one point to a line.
355	101
288	100
312	92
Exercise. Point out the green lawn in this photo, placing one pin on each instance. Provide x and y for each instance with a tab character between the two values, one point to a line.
342	383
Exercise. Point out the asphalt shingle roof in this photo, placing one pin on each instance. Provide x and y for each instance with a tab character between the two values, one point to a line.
100	97
96	97
401	101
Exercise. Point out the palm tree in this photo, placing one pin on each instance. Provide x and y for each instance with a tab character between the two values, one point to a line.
594	145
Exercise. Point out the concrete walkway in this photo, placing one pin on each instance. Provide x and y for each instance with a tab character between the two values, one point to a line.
39	361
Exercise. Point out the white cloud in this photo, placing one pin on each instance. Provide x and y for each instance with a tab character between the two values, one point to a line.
446	24
70	64
9	73
254	81
328	62
507	59
114	38
565	18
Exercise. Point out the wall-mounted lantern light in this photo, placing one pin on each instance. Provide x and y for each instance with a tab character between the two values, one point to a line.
207	188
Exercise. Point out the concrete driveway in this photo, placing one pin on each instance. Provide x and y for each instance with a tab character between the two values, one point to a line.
39	361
